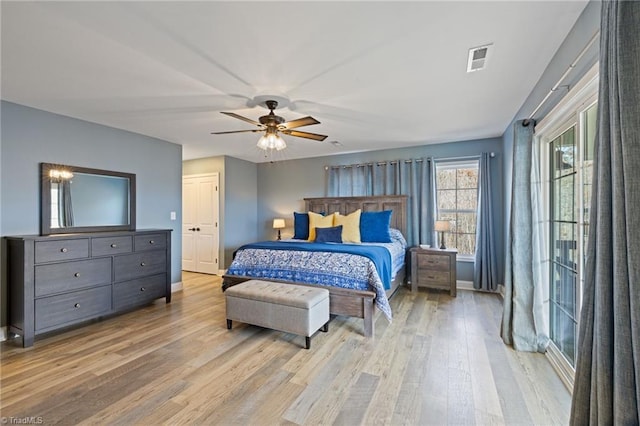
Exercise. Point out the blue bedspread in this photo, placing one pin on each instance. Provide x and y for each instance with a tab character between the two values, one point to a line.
380	256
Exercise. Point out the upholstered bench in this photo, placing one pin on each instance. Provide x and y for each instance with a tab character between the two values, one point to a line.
284	307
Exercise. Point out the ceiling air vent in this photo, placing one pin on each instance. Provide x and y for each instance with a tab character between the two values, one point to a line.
478	57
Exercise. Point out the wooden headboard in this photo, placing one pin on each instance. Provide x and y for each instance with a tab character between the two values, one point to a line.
345	205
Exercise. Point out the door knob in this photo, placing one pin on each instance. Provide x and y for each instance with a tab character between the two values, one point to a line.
197	229
192	229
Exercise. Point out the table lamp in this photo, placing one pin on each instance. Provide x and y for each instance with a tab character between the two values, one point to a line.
278	224
442	226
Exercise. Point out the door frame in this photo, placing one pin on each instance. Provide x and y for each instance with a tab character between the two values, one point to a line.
204	175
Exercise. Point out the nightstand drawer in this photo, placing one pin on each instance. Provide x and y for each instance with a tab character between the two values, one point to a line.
433	277
434	262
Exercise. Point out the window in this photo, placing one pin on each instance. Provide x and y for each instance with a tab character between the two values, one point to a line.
566	140
457	201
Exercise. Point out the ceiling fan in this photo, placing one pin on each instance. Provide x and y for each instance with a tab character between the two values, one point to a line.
273	124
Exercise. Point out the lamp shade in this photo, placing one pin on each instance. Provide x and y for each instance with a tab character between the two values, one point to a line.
442	225
278	223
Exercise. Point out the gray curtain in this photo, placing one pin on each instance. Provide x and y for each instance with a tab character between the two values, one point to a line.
415	178
65	206
485	275
607	381
523	318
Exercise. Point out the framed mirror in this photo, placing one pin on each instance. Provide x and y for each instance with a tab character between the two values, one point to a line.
78	199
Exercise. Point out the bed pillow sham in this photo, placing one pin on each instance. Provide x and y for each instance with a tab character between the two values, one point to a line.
374	227
318	221
350	226
332	234
300	226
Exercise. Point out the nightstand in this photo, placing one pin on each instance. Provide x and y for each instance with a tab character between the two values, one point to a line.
433	268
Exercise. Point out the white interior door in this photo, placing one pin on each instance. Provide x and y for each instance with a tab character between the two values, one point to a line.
200	207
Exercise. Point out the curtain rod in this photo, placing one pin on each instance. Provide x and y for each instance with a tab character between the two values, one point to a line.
417	160
557	86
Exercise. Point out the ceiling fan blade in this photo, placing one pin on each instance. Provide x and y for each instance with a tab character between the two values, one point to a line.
239	117
304	121
307	135
236	131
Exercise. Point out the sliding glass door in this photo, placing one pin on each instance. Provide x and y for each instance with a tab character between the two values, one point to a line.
563	232
570	156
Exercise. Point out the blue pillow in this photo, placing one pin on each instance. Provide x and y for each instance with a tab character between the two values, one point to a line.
301	226
329	235
374	227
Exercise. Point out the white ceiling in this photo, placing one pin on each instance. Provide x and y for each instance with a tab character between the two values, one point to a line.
375	74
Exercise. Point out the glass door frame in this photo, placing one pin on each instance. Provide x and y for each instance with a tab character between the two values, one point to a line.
568	113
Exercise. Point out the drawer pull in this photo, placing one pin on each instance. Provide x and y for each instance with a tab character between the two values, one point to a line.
143	264
141	288
77	305
114	245
152	242
77	274
63	250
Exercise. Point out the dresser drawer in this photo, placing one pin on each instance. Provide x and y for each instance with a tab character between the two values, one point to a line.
150	242
72	307
139	265
106	246
52	251
59	277
433	262
139	292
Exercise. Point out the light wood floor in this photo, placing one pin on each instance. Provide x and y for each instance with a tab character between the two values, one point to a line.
441	361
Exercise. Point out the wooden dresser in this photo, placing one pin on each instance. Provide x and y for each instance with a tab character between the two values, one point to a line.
59	280
433	268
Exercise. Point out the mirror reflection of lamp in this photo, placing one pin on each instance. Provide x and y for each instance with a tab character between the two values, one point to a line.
59	175
278	224
442	226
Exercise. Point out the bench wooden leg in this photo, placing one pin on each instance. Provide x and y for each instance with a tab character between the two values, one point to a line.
228	324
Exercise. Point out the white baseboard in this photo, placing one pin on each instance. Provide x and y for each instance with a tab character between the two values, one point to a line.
176	286
464	285
221	272
468	285
3	334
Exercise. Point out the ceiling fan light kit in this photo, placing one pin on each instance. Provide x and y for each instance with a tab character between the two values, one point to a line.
270	141
272	125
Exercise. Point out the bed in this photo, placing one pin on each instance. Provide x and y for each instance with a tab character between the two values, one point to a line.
360	301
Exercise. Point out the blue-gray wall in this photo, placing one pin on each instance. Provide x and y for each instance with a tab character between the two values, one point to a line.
30	136
283	185
241	205
578	38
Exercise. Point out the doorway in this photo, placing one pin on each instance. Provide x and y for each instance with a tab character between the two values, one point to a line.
200	218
